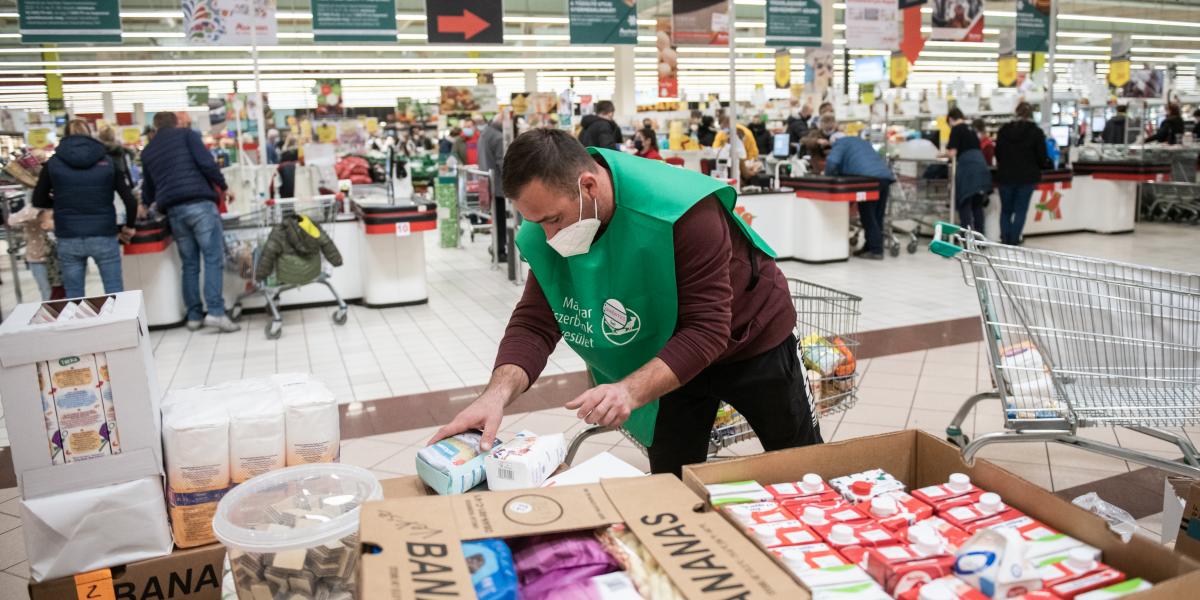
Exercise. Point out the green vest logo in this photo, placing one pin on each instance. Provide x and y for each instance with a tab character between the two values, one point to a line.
620	324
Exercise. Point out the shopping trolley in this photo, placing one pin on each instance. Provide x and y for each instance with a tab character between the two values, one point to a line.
242	256
920	197
1078	342
826	330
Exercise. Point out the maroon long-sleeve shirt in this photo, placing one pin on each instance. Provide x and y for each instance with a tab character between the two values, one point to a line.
719	319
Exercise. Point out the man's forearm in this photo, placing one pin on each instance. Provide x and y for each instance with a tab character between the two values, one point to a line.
507	382
652	380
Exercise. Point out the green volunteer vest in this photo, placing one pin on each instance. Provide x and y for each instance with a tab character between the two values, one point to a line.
617	304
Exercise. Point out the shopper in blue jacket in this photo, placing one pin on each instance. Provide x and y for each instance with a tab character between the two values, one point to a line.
181	179
78	183
855	156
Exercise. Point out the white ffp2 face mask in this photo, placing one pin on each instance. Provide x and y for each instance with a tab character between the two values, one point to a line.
576	238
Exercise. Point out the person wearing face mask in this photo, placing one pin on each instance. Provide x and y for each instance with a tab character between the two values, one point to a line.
672	300
470	135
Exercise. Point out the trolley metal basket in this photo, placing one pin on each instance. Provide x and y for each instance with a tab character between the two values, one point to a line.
826	330
1078	342
921	197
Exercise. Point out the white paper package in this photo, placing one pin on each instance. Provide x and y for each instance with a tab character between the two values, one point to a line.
257	436
95	528
313	423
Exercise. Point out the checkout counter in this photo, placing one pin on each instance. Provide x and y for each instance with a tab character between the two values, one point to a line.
150	263
392	250
808	218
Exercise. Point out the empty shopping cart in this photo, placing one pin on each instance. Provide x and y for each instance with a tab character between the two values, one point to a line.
1078	342
827	334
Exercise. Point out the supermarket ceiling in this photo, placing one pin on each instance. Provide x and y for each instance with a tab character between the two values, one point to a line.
154	65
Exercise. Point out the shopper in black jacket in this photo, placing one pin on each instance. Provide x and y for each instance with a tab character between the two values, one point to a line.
1114	129
1020	158
600	130
707	133
1170	131
78	184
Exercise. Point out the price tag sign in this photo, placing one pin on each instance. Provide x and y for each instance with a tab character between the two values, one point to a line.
860	196
403	229
130	135
38	138
95	585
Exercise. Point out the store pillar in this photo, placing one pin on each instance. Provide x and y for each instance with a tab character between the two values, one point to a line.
531	82
624	84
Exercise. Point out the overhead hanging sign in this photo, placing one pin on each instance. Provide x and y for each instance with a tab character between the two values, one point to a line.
611	22
197	95
469	99
700	22
354	20
872	25
329	98
794	23
668	60
81	21
1118	66
1033	25
464	21
229	22
898	70
783	69
958	20
818	70
1006	65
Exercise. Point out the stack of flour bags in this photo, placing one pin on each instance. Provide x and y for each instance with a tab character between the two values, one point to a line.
217	437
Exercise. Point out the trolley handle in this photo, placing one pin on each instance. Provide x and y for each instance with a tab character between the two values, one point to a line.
941	245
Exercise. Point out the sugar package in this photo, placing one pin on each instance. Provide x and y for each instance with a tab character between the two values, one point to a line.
524	461
313	423
77	394
196	448
492	572
453	465
257	431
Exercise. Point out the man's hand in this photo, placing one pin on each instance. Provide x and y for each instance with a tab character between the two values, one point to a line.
126	234
608	405
143	212
484	414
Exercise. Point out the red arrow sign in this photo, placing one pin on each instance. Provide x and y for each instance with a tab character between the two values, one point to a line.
469	24
912	43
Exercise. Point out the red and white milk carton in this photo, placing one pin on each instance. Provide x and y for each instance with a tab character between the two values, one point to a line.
810	488
989	505
783	533
1077	563
860	487
1043	541
809	557
944	588
958	486
895	510
902	567
1105	577
757	512
824	513
850	538
953	537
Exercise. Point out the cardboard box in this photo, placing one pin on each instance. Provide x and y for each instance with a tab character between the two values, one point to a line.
418	552
192	574
920	459
1187	542
123	337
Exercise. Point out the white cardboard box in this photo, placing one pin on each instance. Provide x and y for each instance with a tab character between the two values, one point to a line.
123	336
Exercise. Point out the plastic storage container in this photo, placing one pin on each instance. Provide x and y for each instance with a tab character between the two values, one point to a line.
295	531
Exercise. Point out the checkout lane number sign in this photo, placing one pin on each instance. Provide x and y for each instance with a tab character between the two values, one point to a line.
403	229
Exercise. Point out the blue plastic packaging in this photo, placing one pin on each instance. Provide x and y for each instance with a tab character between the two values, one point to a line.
492	570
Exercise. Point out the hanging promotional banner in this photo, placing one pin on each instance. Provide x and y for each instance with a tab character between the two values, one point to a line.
1118	66
872	25
609	22
464	21
229	22
818	70
958	20
468	99
1033	25
783	69
1006	65
49	21
197	95
898	70
700	22
668	60
794	23
329	98
54	86
354	21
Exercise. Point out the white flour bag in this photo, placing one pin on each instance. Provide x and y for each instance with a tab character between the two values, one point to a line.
312	421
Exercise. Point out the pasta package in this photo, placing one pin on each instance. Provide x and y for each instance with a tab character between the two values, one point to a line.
635	559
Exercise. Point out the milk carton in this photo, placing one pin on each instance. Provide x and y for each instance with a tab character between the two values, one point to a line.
863	590
1042	541
989	505
1124	588
944	588
958	486
860	487
904	566
950	535
1076	563
525	461
783	533
995	563
822	513
853	539
737	492
810	488
895	510
757	512
809	557
833	576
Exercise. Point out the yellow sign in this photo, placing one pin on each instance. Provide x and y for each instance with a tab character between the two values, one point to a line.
1037	62
130	135
306	130
898	70
943	131
372	126
1006	71
95	585
326	133
1118	73
783	69
38	137
866	93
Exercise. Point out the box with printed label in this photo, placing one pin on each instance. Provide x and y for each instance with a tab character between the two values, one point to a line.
191	574
921	460
413	546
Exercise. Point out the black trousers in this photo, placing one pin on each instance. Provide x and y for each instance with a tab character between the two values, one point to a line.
872	215
768	390
500	210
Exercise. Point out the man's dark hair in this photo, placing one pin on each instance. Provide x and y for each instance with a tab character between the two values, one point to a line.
550	155
165	120
649	134
1122	109
605	107
1024	110
978	125
955	113
1174	110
